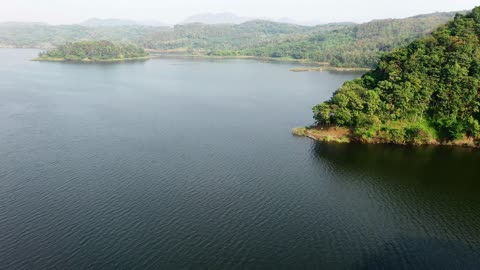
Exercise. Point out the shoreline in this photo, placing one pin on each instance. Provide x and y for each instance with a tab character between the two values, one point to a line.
310	66
313	65
48	59
342	135
166	54
330	68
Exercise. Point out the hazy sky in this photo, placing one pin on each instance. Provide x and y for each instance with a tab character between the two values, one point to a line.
173	11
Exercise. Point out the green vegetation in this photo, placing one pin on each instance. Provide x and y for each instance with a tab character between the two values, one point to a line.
423	93
93	51
302	131
324	134
339	44
44	36
329	68
353	45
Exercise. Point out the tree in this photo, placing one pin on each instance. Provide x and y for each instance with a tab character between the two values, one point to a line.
432	82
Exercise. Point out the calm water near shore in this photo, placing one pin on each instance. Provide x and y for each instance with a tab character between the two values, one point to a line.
190	164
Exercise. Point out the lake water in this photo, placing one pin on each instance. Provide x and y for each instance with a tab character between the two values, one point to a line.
189	164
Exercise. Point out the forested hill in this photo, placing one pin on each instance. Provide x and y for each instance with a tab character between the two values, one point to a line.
93	51
44	36
353	45
341	44
428	91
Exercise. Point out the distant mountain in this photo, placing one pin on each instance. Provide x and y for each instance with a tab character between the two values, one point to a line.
230	18
152	23
300	22
285	20
13	23
216	18
96	22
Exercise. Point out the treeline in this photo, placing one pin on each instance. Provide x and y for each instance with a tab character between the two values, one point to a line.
354	46
93	51
426	91
340	44
231	37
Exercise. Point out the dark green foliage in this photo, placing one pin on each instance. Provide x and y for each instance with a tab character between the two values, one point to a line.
95	51
433	82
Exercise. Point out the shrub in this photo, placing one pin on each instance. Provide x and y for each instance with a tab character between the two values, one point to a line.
417	135
393	135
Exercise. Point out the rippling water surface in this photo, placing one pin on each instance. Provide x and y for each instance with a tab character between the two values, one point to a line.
184	164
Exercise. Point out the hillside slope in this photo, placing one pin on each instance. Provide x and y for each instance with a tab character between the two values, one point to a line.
428	91
354	45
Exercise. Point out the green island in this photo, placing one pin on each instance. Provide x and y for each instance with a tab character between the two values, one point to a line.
420	94
94	51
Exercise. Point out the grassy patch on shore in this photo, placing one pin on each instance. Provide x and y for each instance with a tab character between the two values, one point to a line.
399	133
324	134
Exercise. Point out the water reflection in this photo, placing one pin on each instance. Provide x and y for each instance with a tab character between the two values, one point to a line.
420	253
439	168
428	195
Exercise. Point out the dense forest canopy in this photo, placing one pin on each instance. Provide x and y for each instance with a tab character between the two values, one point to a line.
94	51
340	44
428	90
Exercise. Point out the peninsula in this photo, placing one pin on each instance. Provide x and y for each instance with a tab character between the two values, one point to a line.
94	51
425	93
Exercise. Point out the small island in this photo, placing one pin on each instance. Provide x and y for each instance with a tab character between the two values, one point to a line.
426	93
94	51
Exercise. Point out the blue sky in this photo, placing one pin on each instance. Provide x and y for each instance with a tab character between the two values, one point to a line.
173	11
